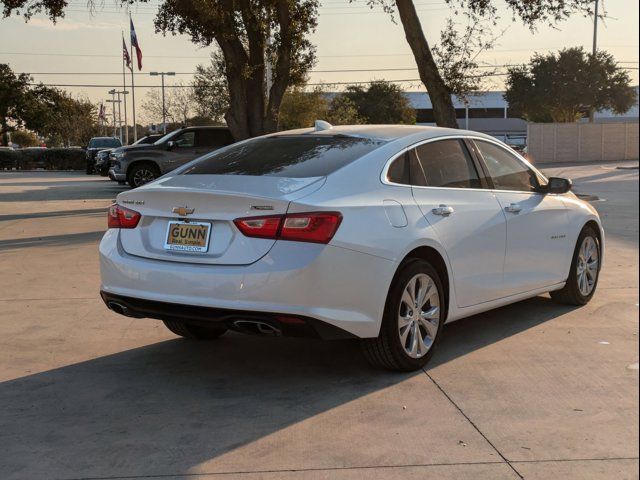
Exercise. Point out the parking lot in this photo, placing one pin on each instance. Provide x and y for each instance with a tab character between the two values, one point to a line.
533	390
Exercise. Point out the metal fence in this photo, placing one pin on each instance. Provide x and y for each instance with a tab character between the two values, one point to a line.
582	142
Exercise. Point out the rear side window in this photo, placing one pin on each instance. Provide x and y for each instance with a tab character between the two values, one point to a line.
443	163
399	170
296	156
214	137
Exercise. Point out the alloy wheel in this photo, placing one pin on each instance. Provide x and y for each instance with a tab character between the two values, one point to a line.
587	266
143	176
419	315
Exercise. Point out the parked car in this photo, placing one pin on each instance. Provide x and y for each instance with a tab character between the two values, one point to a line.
102	162
382	233
140	164
95	145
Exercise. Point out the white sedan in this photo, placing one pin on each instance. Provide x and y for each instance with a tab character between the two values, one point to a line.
383	233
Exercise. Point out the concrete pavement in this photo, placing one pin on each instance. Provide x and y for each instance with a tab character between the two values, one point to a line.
533	390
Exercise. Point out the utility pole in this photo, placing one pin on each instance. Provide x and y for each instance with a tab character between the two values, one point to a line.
164	109
594	50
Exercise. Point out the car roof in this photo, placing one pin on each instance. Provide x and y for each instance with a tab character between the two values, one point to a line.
386	132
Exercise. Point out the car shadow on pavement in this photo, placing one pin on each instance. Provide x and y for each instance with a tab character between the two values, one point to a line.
68	239
168	407
472	333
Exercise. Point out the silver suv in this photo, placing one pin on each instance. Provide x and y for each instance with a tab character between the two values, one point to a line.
140	164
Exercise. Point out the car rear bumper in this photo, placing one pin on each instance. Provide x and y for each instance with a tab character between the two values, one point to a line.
239	320
320	283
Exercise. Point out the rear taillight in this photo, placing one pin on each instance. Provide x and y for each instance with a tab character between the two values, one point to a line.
260	227
121	217
316	227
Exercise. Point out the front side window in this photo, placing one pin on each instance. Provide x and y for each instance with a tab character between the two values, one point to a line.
295	156
506	170
443	163
186	140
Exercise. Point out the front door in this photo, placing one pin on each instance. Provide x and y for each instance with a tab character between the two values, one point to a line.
537	243
465	216
183	151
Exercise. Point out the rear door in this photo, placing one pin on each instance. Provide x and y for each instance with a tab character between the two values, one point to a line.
210	139
537	242
465	215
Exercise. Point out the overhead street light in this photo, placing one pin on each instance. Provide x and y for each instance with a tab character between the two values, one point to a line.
164	110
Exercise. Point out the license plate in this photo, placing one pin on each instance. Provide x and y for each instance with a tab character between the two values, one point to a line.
188	236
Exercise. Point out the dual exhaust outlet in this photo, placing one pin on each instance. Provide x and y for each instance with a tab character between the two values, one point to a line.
254	327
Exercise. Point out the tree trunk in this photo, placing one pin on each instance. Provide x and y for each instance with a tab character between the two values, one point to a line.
5	133
443	109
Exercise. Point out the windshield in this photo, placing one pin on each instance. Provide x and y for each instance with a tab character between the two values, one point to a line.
104	143
296	156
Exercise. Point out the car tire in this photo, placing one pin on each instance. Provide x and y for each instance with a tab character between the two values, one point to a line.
587	250
194	332
142	173
398	346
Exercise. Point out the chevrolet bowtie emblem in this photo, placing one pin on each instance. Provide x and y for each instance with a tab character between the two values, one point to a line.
183	211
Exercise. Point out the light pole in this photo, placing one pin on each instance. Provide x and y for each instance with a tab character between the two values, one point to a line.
113	101
164	110
120	123
592	112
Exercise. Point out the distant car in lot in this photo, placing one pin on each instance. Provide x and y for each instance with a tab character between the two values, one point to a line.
148	139
140	164
382	233
97	144
102	162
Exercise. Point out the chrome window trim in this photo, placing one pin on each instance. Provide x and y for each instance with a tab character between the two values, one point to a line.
385	170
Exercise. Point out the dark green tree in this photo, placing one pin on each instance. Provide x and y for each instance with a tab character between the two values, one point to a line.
62	119
380	102
530	12
14	98
561	87
263	42
265	49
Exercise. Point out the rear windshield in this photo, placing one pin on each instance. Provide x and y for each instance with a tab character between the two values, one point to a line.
104	142
296	156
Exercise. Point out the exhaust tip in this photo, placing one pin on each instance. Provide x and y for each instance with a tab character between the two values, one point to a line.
119	308
256	327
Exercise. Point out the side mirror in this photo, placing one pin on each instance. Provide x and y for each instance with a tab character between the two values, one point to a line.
557	185
170	145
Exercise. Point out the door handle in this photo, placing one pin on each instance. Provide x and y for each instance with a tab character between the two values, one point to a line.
513	208
443	210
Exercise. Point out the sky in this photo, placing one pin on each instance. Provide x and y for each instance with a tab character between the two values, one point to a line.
85	48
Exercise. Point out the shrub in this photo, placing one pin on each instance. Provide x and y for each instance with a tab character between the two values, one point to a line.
46	158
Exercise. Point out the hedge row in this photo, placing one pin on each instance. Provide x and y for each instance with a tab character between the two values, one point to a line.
46	158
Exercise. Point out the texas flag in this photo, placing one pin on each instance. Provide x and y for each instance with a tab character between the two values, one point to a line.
135	44
125	54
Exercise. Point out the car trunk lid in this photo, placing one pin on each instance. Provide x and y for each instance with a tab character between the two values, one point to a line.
213	201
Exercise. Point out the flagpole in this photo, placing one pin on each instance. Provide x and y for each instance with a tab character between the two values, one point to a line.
124	89
133	100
